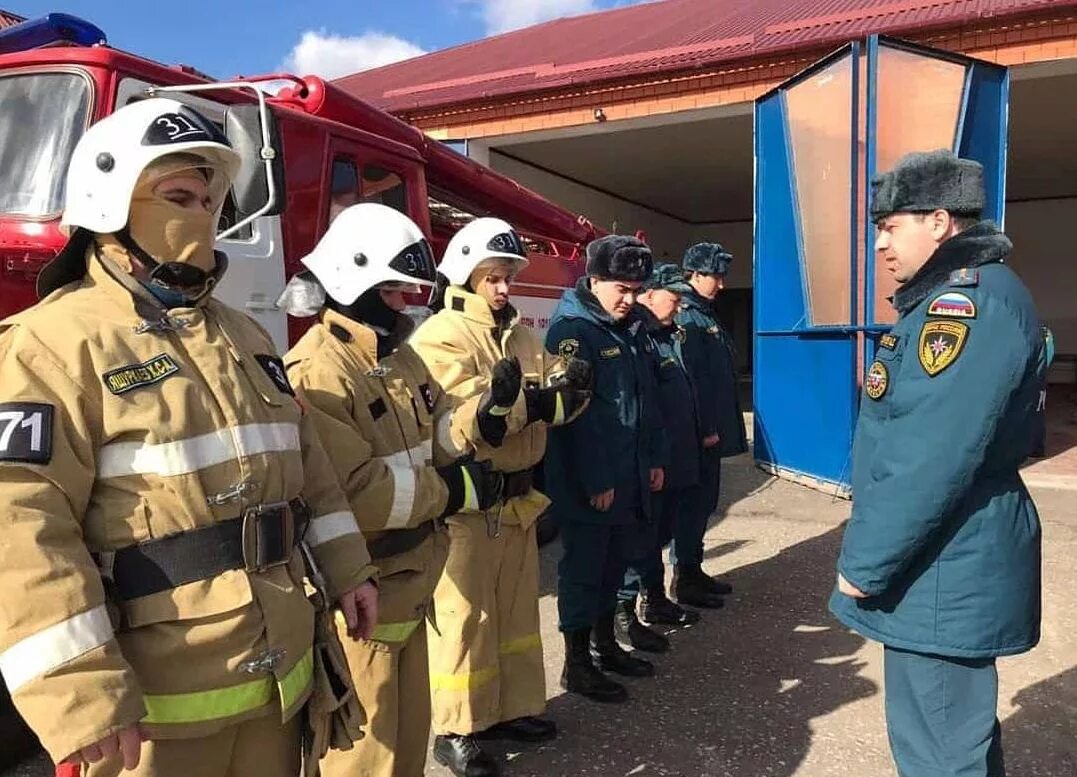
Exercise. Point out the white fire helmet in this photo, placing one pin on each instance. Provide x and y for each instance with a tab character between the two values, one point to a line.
106	166
111	156
367	245
481	240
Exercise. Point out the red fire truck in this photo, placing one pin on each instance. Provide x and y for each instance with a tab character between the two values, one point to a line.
57	76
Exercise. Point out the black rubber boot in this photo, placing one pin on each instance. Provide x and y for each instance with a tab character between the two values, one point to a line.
692	587
611	657
463	756
656	608
580	675
628	629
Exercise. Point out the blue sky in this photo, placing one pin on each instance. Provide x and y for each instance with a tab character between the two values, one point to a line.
331	37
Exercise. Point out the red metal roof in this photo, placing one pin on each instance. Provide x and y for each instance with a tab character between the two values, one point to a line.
8	19
669	35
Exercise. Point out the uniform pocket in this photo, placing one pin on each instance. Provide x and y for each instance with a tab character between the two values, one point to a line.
202	599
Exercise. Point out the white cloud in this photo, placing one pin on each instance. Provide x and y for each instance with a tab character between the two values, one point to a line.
331	56
505	15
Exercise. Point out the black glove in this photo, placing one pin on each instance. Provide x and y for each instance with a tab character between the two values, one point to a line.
473	485
505	380
567	392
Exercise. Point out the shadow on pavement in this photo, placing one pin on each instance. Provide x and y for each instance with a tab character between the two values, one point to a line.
726	701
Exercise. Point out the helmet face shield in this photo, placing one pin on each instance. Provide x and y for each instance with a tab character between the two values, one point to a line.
416	261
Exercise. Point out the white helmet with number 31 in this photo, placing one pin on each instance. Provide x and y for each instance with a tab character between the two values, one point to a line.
114	152
367	245
479	241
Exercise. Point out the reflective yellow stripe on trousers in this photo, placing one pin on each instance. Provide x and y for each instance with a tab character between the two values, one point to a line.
202	706
466	681
387	632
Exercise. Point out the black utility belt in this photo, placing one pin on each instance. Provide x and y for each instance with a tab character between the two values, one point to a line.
517	484
264	536
398	541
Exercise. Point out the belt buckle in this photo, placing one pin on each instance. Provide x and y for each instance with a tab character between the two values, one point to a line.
266	545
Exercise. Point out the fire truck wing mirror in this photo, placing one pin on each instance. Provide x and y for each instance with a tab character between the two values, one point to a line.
259	187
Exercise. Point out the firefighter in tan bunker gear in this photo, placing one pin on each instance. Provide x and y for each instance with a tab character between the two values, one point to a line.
157	475
376	407
486	654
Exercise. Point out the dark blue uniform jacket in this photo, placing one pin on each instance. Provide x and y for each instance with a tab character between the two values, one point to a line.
618	439
708	354
944	536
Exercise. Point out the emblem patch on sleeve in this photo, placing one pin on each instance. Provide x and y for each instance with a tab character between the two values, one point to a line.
889	342
26	432
566	349
952	304
274	368
877	380
134	376
941	342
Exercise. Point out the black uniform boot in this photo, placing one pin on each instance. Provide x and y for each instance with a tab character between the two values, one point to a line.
611	657
463	756
628	629
691	586
580	675
655	608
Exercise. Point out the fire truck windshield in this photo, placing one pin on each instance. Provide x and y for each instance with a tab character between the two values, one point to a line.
43	118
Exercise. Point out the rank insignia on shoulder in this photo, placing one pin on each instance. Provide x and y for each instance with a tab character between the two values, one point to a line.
428	397
889	342
712	330
26	432
966	276
610	353
679	334
941	342
877	380
566	349
952	304
133	376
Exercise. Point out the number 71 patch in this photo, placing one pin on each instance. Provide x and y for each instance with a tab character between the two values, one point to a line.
26	432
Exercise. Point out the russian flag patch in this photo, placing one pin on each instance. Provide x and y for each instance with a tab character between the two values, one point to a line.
952	304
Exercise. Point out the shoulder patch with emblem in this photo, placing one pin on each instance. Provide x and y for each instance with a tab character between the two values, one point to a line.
889	342
966	276
26	432
952	304
568	348
133	376
610	353
877	380
428	396
274	368
941	342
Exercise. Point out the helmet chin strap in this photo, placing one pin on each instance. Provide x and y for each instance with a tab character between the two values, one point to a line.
156	268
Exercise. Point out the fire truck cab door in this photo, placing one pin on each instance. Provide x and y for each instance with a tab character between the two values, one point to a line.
255	276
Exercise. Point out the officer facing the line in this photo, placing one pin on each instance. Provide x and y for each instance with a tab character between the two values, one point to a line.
154	450
602	469
941	559
708	354
376	407
645	577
